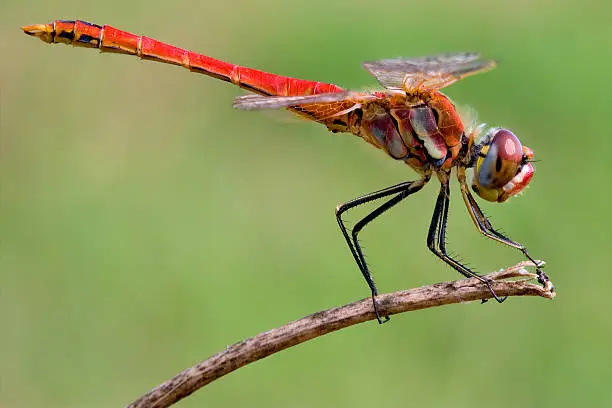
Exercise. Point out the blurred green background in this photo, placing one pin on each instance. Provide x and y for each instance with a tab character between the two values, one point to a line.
146	224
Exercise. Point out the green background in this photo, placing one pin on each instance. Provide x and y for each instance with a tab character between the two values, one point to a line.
146	224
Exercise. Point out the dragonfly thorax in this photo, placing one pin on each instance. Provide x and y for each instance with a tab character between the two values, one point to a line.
426	135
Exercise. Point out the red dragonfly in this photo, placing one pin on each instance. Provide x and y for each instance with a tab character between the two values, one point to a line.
410	120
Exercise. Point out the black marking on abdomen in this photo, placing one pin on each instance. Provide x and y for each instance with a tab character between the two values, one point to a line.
69	35
88	39
91	24
211	74
252	89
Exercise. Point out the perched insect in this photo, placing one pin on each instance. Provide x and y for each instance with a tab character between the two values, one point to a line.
410	120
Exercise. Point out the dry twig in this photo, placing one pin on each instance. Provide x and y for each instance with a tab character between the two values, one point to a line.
320	323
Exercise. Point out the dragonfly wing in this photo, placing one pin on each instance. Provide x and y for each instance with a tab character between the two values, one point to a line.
319	107
258	102
427	73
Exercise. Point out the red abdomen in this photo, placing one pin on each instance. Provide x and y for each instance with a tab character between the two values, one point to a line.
109	39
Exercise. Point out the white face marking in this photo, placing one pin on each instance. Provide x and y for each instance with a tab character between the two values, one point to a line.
518	179
509	186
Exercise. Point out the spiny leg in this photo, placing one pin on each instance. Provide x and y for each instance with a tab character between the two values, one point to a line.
401	191
436	238
411	188
367	219
484	227
342	208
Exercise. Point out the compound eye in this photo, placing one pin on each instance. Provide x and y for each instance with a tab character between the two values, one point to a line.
502	162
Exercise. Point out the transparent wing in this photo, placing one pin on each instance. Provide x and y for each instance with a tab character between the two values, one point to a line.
318	107
257	102
427	73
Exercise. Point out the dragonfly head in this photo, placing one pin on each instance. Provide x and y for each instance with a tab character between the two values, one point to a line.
502	168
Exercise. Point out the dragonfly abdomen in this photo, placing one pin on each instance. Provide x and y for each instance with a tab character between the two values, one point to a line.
109	39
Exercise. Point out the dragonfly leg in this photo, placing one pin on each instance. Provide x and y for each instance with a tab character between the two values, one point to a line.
400	191
484	227
436	238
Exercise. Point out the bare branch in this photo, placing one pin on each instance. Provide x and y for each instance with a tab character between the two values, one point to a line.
320	323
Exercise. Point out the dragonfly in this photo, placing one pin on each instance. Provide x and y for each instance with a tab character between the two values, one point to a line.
409	119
